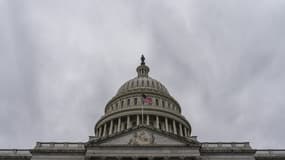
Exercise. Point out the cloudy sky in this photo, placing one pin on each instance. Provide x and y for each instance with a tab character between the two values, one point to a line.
62	60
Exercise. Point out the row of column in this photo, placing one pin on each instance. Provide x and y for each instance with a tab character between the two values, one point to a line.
180	129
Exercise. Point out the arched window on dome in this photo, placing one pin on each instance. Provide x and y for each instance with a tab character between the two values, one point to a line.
156	102
163	104
122	103
128	102
135	101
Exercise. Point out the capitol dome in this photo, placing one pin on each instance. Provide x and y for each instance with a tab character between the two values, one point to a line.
128	109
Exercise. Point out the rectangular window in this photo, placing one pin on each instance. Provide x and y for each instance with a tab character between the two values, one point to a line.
135	101
156	102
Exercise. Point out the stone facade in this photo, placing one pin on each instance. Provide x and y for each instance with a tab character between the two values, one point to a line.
142	122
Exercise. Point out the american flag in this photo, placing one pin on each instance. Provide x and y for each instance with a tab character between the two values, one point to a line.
146	99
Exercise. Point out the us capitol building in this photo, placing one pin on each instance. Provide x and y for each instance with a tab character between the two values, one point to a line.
142	122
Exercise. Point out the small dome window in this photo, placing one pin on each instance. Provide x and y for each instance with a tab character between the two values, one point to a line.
132	84
156	102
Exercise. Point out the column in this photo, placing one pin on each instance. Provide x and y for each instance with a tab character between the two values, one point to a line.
157	122
104	130
100	131
119	124
147	120
128	122
138	120
166	124
174	127
180	129
111	128
185	131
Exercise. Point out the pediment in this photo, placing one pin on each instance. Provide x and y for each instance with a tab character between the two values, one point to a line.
143	136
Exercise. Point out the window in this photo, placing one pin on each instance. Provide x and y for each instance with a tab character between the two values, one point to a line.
129	101
135	101
162	103
132	84
156	102
147	83
122	103
142	82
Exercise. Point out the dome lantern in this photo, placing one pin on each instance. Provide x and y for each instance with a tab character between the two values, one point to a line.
143	69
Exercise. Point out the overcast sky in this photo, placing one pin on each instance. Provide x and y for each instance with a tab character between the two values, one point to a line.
62	60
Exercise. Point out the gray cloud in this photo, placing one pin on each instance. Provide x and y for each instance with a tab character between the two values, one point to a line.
60	62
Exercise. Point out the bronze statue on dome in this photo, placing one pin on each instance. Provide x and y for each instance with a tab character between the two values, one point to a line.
142	60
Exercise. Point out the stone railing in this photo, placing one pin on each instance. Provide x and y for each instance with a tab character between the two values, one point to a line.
229	147
60	145
217	145
15	153
270	153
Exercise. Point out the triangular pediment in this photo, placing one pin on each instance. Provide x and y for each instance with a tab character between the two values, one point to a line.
144	136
